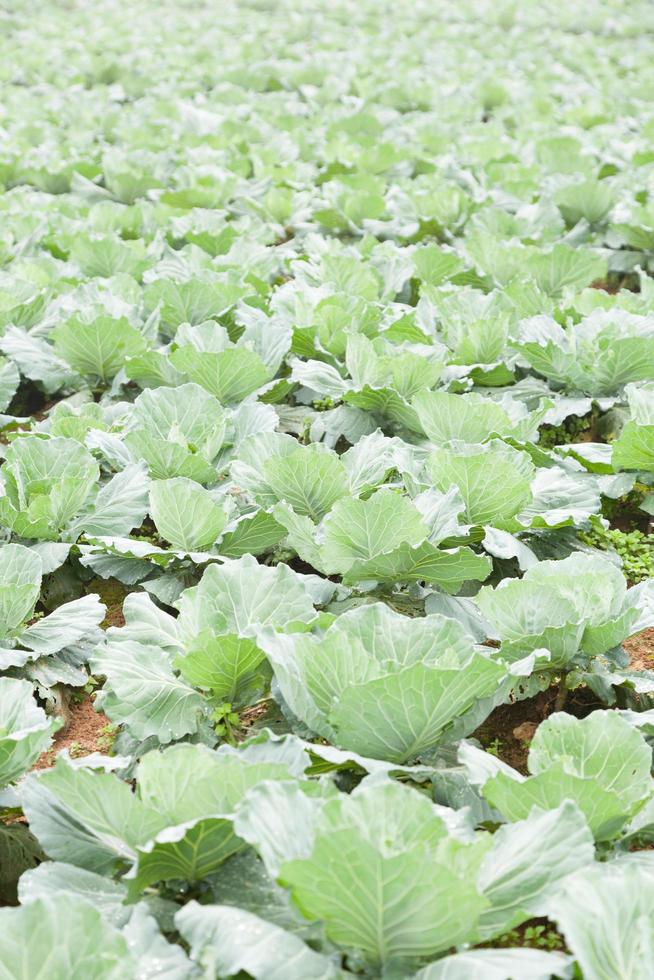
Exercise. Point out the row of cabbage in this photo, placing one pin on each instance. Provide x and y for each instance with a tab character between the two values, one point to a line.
292	343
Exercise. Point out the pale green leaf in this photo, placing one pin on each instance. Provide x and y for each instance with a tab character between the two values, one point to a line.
229	941
185	514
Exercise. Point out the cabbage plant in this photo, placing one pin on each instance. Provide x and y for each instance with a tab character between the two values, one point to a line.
634	447
567	611
408	869
48	649
165	675
25	730
385	686
601	762
52	491
597	356
163	832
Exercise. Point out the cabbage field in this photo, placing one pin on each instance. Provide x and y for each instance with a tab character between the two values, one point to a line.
326	490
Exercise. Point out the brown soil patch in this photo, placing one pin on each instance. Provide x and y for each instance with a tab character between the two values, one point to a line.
630	519
114	617
510	728
250	716
113	594
641	650
45	410
85	733
617	281
605	286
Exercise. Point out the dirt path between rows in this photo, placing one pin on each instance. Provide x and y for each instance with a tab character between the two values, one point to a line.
641	650
87	731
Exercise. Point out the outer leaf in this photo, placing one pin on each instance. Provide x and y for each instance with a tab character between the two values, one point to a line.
528	862
156	958
99	348
187	852
278	818
619	896
121	504
360	530
251	534
188	781
230	375
242	882
9	381
426	563
229	940
70	624
20	585
144	693
85	818
565	268
185	514
498	964
19	853
196	792
61	937
169	459
634	448
51	879
36	359
25	729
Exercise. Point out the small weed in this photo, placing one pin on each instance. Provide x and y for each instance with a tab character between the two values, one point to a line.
107	737
226	722
495	747
570	431
280	556
635	549
323	404
80	694
537	936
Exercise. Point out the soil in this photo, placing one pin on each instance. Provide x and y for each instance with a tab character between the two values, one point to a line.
113	594
641	650
509	729
250	717
29	400
628	519
85	733
616	281
605	286
114	617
